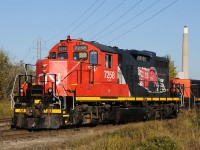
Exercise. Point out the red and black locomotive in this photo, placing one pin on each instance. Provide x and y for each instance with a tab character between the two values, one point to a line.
85	82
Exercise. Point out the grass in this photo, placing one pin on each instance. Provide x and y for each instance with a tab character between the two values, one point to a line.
182	133
5	109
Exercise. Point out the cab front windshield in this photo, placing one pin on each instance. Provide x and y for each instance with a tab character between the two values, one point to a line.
79	55
63	55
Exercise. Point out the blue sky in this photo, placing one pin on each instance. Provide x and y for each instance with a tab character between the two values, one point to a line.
24	22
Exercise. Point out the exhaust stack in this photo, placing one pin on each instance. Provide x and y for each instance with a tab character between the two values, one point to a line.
185	53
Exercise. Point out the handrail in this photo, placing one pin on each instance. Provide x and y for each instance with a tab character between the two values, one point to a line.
194	97
12	94
181	94
70	71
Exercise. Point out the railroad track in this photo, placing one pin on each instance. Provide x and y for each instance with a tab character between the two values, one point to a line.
21	134
5	122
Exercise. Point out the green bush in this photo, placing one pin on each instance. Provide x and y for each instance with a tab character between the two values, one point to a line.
159	143
196	121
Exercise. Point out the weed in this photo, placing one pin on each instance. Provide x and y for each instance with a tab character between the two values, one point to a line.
196	121
5	110
159	143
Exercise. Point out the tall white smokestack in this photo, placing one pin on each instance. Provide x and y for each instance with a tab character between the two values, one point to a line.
185	53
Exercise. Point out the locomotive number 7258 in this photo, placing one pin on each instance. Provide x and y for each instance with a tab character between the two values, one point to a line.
109	74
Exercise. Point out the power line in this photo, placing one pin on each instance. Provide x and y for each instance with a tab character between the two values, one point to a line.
74	21
27	54
117	19
144	10
93	25
92	13
138	25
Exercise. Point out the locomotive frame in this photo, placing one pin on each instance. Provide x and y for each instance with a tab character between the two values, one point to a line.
85	82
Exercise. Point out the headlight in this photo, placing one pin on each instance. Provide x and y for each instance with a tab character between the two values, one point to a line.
50	90
21	90
44	65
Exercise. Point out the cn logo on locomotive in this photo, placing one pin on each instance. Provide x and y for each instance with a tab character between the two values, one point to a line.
148	77
49	77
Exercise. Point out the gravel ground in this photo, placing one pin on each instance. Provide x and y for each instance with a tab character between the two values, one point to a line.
48	139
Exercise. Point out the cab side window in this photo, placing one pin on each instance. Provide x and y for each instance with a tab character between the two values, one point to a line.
108	59
93	57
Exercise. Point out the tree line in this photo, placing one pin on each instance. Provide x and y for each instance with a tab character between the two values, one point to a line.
8	72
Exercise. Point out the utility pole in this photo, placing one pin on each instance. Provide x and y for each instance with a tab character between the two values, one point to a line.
39	47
